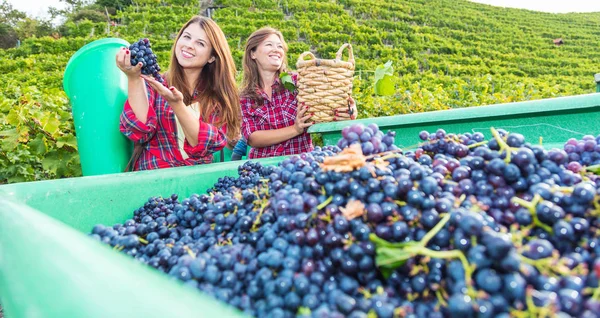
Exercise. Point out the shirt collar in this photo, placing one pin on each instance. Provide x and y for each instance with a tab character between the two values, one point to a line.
275	84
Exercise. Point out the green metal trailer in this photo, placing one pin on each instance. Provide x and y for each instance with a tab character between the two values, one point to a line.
49	267
547	121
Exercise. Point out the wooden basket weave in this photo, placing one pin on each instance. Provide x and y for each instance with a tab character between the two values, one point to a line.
325	85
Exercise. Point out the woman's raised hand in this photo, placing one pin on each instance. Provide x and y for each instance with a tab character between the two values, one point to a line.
345	113
124	64
301	118
172	95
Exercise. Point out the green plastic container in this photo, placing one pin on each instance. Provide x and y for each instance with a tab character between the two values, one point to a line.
547	121
97	90
49	267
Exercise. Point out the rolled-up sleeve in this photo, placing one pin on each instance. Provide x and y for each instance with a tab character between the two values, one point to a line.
133	128
210	139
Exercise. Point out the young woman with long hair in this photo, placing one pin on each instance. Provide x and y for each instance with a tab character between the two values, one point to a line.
196	115
274	123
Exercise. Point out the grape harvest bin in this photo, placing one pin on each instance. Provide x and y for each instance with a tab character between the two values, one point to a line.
50	268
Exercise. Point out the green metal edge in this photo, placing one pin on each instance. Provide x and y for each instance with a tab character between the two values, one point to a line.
86	278
86	201
540	106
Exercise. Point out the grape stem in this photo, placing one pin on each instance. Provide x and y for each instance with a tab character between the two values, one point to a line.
325	203
503	145
393	254
531	207
546	265
596	294
434	231
440	298
481	143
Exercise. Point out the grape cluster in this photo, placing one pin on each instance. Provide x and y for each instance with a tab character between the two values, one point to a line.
141	52
371	139
498	228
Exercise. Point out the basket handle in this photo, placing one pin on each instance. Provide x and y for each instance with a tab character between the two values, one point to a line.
305	54
338	55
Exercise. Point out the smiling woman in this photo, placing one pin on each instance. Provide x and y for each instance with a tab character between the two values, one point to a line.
274	123
195	114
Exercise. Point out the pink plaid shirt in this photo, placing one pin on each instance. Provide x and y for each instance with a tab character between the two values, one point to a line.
159	134
277	113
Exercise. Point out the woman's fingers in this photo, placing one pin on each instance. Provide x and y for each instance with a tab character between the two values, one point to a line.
304	125
301	110
305	118
163	91
342	115
121	59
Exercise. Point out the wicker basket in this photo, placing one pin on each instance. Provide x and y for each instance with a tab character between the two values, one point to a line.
325	85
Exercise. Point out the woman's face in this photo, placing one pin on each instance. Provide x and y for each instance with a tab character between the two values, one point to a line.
269	54
193	49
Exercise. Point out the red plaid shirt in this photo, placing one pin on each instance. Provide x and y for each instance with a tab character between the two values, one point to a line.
277	113
159	134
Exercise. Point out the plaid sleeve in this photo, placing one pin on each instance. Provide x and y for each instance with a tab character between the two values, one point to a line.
132	127
248	122
210	139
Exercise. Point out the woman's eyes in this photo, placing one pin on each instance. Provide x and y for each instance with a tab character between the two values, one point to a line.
278	46
186	36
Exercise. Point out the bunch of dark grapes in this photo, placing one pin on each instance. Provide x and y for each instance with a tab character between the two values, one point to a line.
371	139
492	229
456	145
141	52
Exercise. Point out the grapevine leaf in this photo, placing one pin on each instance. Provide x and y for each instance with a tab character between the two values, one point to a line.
38	145
12	118
287	82
391	258
384	79
5	106
52	162
10	139
595	169
50	124
385	86
16	178
68	140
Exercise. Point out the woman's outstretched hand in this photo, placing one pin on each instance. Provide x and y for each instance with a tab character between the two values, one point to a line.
345	113
301	118
172	95
124	64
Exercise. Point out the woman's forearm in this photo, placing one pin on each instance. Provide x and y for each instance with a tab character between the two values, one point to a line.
189	123
266	138
138	98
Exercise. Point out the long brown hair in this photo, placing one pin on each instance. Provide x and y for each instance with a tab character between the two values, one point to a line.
251	80
216	87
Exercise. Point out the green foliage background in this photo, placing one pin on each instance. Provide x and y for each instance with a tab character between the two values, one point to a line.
445	54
